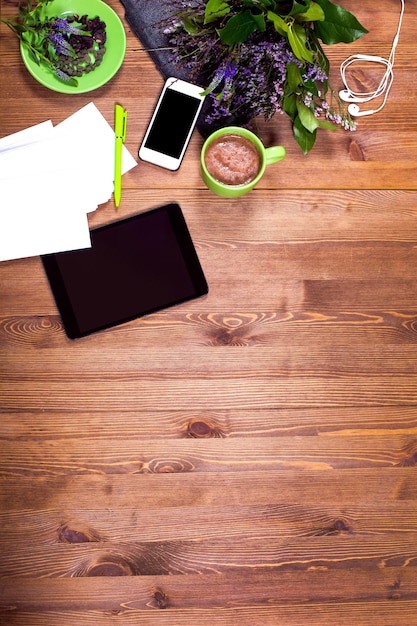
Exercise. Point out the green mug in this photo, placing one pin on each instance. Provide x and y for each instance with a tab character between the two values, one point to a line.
267	156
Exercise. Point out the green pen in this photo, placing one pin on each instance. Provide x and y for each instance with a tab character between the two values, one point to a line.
120	115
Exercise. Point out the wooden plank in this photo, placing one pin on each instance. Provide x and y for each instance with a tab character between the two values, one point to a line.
214	522
206	455
356	487
147	593
211	556
157	424
385	613
233	392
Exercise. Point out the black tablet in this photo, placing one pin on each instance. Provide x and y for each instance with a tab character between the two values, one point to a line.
135	266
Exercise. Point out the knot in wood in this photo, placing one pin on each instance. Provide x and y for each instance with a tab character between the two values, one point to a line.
170	466
410	456
200	429
340	526
410	461
110	567
395	593
224	339
161	599
355	152
66	534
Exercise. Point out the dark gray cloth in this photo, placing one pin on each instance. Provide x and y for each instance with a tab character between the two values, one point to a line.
144	17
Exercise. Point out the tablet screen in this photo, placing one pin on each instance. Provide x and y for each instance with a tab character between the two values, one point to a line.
135	266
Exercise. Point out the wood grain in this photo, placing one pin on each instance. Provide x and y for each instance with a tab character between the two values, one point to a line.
248	457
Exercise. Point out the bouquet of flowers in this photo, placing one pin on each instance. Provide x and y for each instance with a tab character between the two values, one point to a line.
261	57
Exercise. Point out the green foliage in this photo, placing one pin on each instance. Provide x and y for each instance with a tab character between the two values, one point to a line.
304	24
240	26
332	23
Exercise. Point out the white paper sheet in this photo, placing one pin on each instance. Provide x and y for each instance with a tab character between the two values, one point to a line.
40	228
26	136
51	178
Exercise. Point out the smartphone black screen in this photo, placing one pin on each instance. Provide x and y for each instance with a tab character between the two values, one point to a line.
135	266
172	123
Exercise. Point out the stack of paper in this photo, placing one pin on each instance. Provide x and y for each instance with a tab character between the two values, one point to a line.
51	177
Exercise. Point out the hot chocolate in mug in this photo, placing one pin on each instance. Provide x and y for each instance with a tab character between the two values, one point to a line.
233	160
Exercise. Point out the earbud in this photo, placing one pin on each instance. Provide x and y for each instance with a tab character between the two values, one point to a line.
355	111
347	96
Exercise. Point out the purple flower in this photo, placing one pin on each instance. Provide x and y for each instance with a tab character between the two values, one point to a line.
60	24
60	44
62	75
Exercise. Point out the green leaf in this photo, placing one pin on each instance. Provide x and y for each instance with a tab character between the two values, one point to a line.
18	28
307	117
280	24
298	41
52	52
30	20
238	28
294	78
328	125
214	10
314	14
191	25
37	40
311	86
290	106
34	56
27	37
339	25
297	37
23	11
303	137
297	6
259	20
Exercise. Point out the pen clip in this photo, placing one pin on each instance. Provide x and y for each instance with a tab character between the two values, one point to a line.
120	115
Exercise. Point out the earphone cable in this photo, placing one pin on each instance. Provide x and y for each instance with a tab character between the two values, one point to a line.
386	80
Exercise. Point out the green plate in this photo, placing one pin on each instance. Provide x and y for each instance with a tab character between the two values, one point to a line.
112	59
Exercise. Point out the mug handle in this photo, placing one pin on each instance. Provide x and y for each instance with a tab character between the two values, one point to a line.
274	154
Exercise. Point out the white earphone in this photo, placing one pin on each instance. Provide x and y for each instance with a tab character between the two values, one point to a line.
383	89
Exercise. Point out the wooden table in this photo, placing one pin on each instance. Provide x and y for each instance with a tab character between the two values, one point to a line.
248	458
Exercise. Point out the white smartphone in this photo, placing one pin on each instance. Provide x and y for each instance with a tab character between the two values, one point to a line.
172	124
